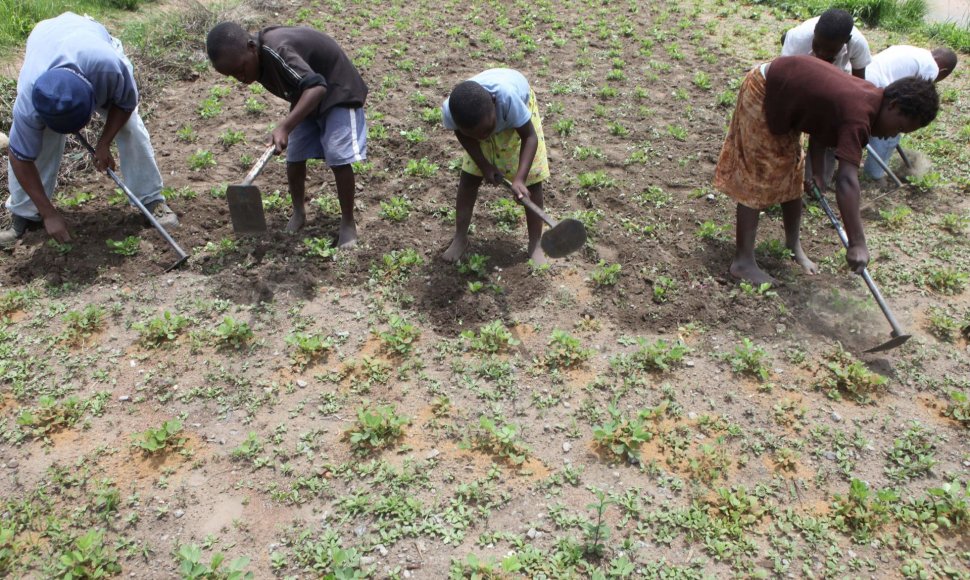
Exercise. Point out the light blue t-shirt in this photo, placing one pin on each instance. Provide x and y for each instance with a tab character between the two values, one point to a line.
511	92
75	42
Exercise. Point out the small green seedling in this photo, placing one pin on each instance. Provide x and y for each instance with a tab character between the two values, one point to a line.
126	247
232	333
163	438
376	428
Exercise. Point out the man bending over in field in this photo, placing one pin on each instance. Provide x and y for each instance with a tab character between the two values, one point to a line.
496	119
326	121
831	37
892	64
72	69
761	163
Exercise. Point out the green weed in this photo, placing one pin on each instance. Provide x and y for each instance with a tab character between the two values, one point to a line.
126	247
162	438
376	428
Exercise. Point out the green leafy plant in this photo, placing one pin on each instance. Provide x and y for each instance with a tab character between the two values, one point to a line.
201	159
320	247
709	230
506	212
192	566
595	180
622	435
308	348
50	416
663	288
126	247
420	168
748	359
232	333
849	377
863	512
491	338
86	557
228	138
596	532
402	335
896	217
947	280
959	408
396	209
475	265
163	438
502	440
911	455
81	324
254	106
606	274
161	329
376	428
564	351
210	107
186	134
397	265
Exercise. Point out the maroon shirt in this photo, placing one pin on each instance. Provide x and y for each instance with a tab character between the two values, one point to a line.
293	59
806	94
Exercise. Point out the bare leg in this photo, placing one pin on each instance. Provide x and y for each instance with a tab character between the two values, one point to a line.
792	216
346	188
468	185
296	178
534	225
744	265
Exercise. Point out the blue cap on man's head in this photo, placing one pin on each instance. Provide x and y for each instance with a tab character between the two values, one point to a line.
63	99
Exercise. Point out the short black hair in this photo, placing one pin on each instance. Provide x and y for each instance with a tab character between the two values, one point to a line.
916	98
469	103
834	24
225	38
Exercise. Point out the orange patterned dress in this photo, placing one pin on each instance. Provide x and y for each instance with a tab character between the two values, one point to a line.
757	168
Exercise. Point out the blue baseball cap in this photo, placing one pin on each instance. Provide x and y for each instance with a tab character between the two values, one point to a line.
63	99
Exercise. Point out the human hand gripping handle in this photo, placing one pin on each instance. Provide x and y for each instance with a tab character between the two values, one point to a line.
858	255
528	203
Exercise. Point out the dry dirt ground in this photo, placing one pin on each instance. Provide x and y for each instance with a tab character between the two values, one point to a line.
737	422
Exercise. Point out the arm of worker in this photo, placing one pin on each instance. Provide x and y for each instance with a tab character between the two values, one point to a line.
859	72
816	160
116	119
527	153
847	195
29	178
474	149
308	102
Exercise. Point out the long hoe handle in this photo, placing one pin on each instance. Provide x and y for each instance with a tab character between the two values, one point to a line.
141	207
897	331
532	206
259	165
881	163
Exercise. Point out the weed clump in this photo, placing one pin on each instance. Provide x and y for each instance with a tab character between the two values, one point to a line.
848	376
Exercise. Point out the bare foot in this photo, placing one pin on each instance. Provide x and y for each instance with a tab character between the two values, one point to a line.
750	272
296	223
347	237
454	252
538	257
802	260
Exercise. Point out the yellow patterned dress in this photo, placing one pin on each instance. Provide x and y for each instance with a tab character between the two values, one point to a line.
502	151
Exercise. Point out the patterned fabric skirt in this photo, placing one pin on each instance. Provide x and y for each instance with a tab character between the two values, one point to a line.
502	151
757	168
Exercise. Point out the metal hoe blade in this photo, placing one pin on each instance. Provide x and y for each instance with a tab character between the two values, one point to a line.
245	202
892	343
562	238
565	238
246	209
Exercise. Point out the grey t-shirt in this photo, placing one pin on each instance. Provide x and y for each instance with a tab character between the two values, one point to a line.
75	42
